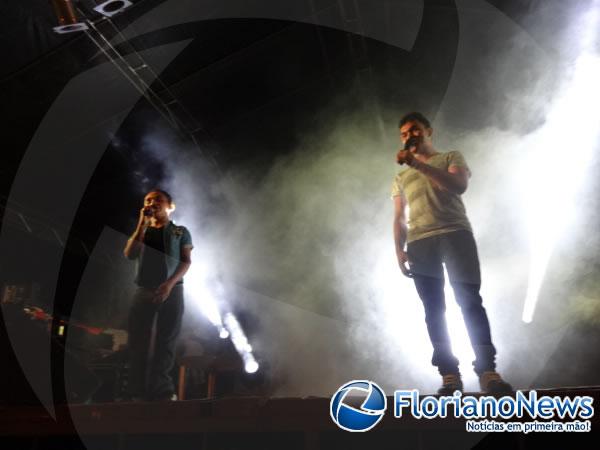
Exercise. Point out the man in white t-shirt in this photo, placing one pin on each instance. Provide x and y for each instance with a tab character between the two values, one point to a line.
437	232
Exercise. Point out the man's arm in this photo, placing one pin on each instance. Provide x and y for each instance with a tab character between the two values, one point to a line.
182	268
136	241
455	179
162	292
400	232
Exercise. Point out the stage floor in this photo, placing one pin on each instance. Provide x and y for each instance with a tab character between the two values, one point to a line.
248	422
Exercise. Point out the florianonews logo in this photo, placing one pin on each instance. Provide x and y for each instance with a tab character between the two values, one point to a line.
371	405
360	404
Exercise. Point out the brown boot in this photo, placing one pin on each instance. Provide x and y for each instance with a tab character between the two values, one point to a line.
492	383
450	384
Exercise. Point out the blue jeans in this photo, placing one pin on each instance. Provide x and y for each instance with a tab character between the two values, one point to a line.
458	252
157	382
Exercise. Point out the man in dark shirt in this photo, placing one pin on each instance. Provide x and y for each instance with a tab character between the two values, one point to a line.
163	251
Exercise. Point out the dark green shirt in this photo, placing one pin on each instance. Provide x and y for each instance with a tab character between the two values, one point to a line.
161	254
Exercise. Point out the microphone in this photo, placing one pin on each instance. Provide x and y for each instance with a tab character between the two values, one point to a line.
411	142
148	212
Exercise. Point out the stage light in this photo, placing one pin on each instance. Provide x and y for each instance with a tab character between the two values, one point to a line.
67	17
240	342
251	366
202	296
223	333
205	295
112	7
570	136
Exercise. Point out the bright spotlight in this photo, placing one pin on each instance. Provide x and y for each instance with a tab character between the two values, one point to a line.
549	207
240	342
251	367
223	333
202	295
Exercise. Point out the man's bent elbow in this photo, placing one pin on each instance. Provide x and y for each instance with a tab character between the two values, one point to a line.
461	190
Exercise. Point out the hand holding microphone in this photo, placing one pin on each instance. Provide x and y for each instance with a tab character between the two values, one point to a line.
146	213
405	156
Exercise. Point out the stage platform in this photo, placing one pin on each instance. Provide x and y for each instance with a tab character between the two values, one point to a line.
248	422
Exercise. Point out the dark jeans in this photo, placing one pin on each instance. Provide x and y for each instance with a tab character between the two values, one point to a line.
458	252
158	382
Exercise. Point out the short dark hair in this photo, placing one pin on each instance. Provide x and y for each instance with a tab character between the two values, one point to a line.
415	117
163	192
